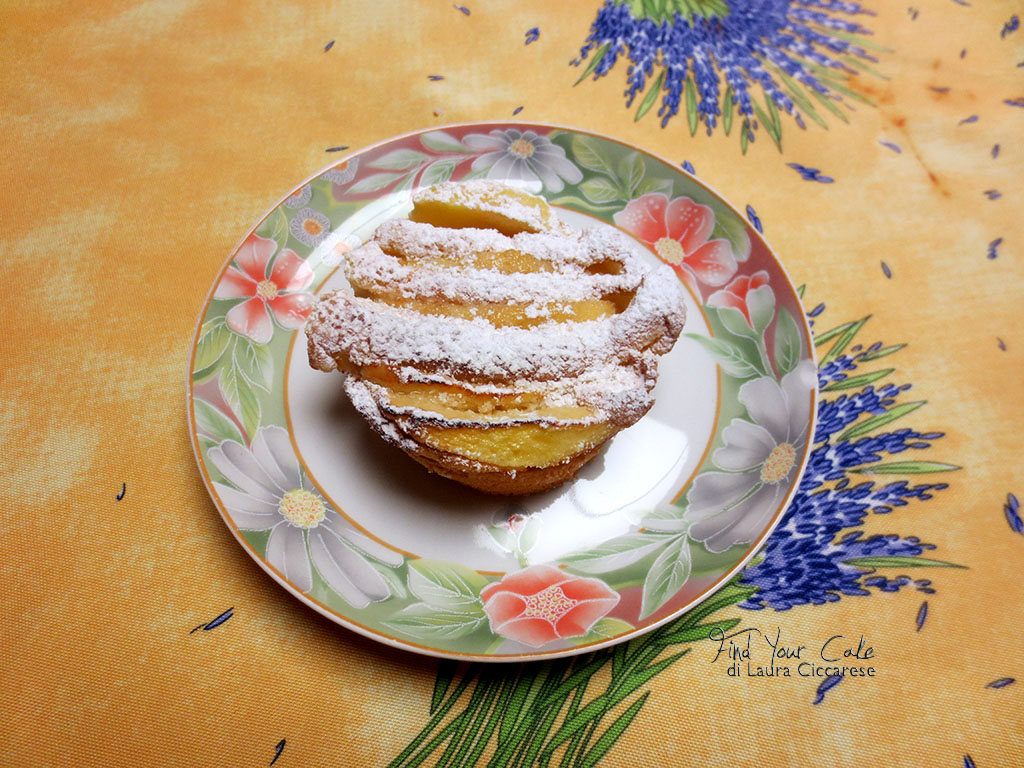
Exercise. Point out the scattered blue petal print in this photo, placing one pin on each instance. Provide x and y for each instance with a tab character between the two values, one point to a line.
213	624
1011	26
1014	102
939	88
337	149
1012	510
328	46
993	194
753	218
1002	682
963	53
435	78
1001	343
913	13
886	271
922	614
993	248
462	8
827	684
966	120
968	762
687	166
278	749
810	174
532	35
995	151
894	147
517	110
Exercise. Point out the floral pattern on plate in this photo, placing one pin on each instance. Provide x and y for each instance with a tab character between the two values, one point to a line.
671	558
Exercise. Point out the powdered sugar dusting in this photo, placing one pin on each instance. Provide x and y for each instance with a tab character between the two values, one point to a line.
607	365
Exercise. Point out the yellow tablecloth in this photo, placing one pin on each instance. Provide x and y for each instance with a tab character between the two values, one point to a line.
142	140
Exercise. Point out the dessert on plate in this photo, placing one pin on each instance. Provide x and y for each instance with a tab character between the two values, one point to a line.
493	343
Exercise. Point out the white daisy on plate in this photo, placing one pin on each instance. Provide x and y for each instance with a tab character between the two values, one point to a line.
524	156
760	457
268	492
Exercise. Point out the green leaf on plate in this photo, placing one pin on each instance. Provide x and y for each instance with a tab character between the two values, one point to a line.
616	553
631	171
590	154
439	141
241	398
650	97
761	305
211	345
603	629
733	358
214	423
787	342
447	585
275	227
438	171
664	186
206	443
666	576
732	228
906	468
598	189
898	561
400	160
873	423
425	622
392	579
373	183
254	362
734	322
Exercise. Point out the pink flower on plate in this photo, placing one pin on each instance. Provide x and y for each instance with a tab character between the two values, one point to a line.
276	293
542	603
678	231
736	294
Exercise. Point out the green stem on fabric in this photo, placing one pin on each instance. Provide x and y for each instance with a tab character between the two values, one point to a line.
485	736
470	713
468	675
472	732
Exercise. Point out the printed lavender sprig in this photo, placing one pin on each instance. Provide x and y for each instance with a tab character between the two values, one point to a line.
573	711
727	62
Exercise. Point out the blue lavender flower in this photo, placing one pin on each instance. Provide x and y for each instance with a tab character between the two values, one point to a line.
793	51
810	174
812	555
753	218
1011	26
